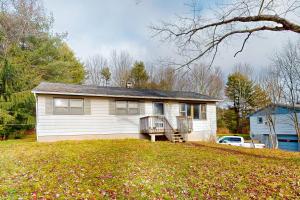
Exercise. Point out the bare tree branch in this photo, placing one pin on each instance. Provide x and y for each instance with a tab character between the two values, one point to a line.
249	34
204	35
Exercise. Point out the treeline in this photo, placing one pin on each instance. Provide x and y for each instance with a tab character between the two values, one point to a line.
120	68
29	54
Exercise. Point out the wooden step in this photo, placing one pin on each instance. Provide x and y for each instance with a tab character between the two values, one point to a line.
177	141
176	134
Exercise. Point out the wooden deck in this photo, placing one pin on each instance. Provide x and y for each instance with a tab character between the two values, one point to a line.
159	125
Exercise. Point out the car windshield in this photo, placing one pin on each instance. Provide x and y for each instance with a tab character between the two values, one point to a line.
223	140
230	140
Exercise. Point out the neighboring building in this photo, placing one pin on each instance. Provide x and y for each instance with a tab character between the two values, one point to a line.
285	134
73	112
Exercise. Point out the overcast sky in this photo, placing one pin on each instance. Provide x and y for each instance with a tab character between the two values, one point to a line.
99	26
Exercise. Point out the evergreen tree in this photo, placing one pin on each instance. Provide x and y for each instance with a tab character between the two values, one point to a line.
105	75
246	97
139	75
26	59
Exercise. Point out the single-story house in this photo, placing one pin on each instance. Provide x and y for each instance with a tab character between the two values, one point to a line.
284	135
75	112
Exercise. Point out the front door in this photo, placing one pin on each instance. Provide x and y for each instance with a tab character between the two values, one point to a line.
159	110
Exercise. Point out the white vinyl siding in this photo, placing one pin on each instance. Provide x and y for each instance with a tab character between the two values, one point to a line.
283	125
100	121
210	124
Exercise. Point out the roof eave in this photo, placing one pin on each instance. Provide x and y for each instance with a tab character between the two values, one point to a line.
123	96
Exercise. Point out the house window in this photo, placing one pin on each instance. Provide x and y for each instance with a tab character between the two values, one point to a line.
158	108
196	114
197	111
121	107
259	120
182	109
133	108
76	106
203	113
127	108
185	110
64	106
188	110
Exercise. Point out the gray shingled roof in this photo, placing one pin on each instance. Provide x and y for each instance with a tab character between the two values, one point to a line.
273	109
87	90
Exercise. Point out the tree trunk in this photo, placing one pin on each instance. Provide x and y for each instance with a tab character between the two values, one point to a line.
297	128
237	113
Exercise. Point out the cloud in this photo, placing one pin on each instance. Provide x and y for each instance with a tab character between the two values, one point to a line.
100	26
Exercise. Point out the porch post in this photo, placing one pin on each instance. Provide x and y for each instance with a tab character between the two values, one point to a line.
152	137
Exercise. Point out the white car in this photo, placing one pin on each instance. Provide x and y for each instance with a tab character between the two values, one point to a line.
238	141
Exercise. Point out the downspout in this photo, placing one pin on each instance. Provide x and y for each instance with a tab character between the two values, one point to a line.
36	115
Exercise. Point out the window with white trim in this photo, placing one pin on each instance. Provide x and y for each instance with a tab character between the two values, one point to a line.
127	108
197	111
182	110
121	107
185	109
133	108
65	106
76	106
203	113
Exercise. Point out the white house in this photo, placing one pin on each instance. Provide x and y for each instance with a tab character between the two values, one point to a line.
74	112
282	116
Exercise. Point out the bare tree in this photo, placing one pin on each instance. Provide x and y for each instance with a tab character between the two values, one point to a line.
201	33
288	64
201	78
245	69
19	20
161	77
270	82
207	80
94	65
216	83
121	64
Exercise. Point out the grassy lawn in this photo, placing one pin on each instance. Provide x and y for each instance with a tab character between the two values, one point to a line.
140	169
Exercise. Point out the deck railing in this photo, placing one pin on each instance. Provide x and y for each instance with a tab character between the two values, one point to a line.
184	124
152	124
156	125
